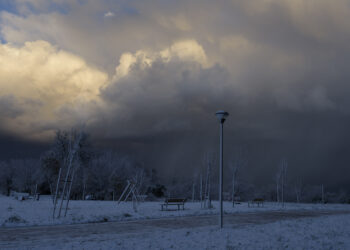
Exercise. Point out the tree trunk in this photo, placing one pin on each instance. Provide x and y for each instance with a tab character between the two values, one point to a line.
201	190
193	186
323	200
233	190
277	190
84	188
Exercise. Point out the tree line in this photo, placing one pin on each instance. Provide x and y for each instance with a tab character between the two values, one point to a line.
97	175
103	175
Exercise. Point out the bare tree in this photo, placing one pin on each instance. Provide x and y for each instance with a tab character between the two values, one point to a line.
201	189
85	178
323	198
298	188
234	177
239	161
6	177
72	152
26	174
209	162
71	162
103	175
281	180
194	187
141	181
278	181
50	167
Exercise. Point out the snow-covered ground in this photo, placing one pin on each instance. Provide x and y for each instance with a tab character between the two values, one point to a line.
327	232
323	232
330	232
29	212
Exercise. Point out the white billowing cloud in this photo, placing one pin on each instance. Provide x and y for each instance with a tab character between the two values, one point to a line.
44	88
186	50
49	87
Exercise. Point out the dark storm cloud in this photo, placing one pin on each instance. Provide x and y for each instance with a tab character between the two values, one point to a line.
279	67
9	107
166	97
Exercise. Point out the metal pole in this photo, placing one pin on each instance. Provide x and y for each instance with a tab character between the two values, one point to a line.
126	189
56	193
221	115
221	172
70	188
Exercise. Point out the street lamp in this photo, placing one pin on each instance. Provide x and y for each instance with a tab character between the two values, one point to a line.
221	115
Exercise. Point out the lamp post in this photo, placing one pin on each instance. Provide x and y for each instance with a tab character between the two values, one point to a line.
221	115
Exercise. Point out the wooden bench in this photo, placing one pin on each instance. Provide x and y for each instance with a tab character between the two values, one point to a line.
256	201
173	202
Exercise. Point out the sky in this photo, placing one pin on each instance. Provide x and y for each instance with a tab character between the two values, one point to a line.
146	77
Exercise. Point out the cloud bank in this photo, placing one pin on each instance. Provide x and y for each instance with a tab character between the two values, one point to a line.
43	88
159	70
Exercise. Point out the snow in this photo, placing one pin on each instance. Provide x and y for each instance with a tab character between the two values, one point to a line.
328	232
332	232
15	213
325	232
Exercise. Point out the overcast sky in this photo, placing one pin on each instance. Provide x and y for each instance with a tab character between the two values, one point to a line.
147	77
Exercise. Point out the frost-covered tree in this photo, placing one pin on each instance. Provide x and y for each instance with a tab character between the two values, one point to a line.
298	189
278	181
7	174
209	162
57	157
281	181
108	174
50	166
240	159
21	175
141	179
102	175
26	174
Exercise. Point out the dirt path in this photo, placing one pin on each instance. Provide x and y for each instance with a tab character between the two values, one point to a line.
34	236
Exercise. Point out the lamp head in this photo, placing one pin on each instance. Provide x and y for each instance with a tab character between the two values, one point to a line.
221	115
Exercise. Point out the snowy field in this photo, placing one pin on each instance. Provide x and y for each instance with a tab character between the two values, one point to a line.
323	232
326	232
330	232
15	213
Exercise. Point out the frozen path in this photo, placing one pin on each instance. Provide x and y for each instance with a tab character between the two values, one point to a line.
37	235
